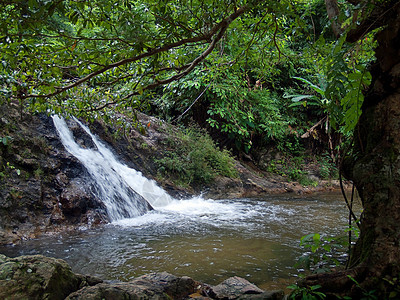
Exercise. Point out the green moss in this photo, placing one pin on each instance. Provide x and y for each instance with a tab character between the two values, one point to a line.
36	277
38	173
362	249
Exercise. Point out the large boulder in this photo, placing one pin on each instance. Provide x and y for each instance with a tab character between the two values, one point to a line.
77	198
39	277
153	286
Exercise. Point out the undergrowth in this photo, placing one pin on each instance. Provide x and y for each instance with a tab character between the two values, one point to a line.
297	168
193	158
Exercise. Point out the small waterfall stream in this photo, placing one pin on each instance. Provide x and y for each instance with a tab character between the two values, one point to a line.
208	240
125	192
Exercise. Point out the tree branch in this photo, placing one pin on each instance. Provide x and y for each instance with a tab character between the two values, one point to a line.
198	97
191	66
218	30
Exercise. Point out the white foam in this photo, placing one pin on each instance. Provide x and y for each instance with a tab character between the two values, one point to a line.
195	211
153	217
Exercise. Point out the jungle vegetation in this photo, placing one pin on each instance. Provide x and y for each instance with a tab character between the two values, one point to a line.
254	74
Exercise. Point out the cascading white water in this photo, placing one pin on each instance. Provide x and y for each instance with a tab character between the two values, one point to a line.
115	181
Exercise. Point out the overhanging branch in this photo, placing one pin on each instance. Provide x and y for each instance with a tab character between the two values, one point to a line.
217	32
178	76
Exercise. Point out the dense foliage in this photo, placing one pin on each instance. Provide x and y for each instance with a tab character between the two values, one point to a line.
116	48
192	158
230	66
257	75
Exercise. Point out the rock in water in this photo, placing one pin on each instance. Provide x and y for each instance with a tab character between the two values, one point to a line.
152	286
239	288
39	277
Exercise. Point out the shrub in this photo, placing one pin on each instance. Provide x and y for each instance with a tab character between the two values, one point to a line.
194	158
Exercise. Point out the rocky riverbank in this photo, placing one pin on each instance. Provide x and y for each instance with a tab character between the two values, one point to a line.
40	277
44	189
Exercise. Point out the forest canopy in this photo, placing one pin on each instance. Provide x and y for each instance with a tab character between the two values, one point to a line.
92	58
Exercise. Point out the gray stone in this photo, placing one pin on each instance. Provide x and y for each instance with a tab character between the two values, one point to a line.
152	286
239	288
267	295
176	287
38	277
118	291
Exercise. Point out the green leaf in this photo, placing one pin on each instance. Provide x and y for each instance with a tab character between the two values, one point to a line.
315	287
393	294
313	86
316	237
306	239
296	98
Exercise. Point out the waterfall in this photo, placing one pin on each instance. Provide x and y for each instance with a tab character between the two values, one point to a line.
125	192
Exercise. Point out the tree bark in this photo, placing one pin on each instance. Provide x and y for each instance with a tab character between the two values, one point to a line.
332	9
374	167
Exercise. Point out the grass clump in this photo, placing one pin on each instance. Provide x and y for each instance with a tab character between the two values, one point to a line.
191	157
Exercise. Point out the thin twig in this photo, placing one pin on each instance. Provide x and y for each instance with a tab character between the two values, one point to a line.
276	44
347	201
198	97
351	205
312	21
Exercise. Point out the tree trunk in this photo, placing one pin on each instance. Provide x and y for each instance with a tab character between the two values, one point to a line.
374	166
332	9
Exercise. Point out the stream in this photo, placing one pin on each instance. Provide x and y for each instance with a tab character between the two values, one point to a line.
208	240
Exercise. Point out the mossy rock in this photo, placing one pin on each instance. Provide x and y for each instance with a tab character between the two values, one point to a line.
38	277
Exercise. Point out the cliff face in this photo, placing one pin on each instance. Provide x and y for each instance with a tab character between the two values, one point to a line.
43	188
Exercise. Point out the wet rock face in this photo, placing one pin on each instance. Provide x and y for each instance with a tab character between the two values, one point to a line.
77	199
42	187
81	136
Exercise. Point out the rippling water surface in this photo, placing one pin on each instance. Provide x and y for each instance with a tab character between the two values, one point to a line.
208	240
